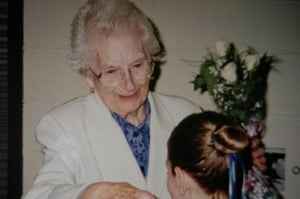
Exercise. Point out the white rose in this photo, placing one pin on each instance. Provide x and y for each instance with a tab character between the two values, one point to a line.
229	72
251	61
221	48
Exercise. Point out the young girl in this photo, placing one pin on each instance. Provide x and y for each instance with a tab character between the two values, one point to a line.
203	160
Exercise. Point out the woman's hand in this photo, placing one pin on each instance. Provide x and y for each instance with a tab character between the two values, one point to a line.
108	190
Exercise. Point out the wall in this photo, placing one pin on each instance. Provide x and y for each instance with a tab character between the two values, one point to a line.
188	28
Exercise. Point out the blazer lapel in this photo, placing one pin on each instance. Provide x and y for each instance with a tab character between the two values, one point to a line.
111	150
161	125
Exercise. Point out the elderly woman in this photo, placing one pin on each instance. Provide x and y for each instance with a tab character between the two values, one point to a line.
203	157
110	143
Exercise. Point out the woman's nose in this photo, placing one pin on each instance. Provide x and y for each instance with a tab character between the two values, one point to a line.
127	81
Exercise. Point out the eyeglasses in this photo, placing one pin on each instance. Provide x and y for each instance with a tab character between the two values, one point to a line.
140	70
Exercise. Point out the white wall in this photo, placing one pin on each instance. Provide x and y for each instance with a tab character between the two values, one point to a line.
188	28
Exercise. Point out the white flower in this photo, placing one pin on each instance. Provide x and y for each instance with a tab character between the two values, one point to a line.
245	74
220	62
213	71
257	105
251	61
229	72
220	88
221	48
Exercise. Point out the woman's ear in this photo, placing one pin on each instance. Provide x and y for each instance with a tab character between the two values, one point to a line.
90	78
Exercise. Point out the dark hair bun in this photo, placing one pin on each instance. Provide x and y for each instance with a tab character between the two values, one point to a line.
230	139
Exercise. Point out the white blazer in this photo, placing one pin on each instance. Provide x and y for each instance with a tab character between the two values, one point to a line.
83	144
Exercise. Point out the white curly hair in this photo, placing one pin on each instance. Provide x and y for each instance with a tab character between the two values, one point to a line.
107	16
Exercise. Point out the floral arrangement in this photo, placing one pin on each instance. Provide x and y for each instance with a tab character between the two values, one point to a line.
237	82
259	186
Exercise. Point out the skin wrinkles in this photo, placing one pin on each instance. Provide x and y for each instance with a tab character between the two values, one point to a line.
120	49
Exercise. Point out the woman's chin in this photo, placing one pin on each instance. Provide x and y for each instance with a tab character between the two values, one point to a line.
127	108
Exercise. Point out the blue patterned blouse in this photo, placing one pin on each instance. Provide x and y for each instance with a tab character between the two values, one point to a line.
138	138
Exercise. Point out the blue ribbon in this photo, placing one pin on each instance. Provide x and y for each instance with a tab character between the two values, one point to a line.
234	192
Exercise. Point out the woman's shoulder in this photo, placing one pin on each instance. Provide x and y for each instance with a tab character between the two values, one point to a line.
69	106
72	109
173	100
175	105
62	122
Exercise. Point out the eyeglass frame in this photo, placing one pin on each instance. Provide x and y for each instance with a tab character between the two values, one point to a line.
150	62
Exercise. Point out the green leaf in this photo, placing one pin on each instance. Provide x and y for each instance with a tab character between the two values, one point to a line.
209	78
239	115
199	83
207	63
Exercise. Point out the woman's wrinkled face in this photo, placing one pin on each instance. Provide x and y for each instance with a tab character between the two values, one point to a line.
120	49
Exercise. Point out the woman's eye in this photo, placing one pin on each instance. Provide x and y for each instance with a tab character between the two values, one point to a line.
136	65
111	70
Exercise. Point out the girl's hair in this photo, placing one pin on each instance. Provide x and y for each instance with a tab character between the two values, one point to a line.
106	17
200	145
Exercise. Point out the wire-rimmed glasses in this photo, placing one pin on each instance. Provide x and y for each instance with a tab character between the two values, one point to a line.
140	71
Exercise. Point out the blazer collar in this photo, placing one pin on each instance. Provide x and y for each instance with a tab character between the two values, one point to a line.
113	154
161	124
114	157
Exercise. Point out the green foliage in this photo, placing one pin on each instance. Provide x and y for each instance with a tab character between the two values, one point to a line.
236	80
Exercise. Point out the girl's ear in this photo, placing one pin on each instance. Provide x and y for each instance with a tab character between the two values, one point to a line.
179	174
182	179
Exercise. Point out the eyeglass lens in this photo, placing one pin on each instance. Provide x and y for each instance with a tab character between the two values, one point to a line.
140	71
